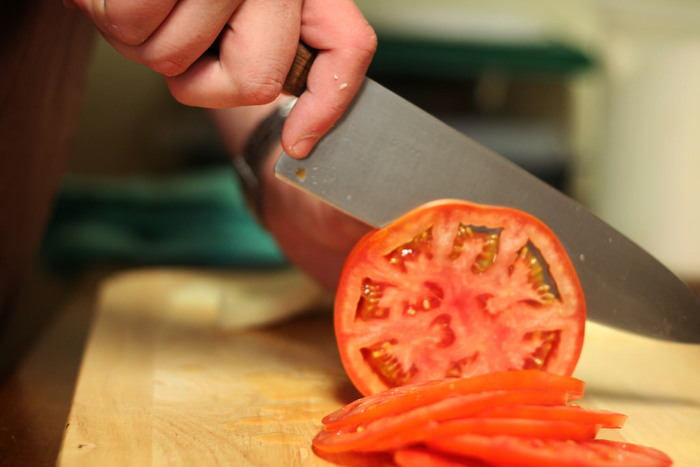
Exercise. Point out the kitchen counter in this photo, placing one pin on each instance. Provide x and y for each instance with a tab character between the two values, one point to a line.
194	389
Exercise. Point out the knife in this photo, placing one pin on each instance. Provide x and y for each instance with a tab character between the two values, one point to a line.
385	156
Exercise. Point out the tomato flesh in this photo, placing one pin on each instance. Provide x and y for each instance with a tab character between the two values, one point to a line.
401	399
513	451
521	427
566	413
366	436
454	289
421	457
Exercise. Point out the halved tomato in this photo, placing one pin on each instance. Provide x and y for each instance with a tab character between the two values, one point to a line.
454	289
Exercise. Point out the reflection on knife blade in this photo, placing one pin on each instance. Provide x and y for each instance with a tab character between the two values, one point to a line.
386	156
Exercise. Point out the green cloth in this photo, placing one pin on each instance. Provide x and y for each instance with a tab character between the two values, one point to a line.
196	219
443	58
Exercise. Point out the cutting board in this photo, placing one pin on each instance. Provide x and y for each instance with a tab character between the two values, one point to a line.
177	372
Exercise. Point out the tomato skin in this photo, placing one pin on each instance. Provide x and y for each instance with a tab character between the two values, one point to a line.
457	289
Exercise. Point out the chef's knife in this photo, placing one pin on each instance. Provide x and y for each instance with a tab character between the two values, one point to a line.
386	156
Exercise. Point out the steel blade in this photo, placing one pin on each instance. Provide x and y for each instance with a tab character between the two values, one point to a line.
387	156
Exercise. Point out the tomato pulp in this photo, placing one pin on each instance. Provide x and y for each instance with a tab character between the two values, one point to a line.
454	289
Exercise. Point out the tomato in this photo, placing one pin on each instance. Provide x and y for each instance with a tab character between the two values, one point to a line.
522	427
421	457
567	413
511	418
514	451
454	289
407	397
366	436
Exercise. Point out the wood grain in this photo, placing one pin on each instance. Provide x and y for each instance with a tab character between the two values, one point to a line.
162	387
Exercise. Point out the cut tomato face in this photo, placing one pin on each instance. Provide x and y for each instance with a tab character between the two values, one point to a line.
454	289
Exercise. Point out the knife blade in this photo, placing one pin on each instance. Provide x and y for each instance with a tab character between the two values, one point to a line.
386	156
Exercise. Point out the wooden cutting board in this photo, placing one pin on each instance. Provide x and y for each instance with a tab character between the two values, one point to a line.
174	374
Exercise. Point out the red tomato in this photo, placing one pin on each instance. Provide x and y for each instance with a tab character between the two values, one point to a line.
526	428
421	457
565	413
514	451
454	289
369	436
403	398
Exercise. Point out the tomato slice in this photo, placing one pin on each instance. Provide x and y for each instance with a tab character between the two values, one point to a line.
407	397
514	451
529	428
565	413
365	436
421	457
454	289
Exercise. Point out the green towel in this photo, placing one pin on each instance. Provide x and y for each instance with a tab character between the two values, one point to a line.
192	219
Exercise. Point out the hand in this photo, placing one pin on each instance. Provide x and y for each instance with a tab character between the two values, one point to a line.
257	43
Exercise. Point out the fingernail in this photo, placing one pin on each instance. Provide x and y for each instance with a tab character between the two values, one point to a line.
302	147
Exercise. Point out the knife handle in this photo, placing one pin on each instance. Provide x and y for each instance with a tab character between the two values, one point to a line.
295	84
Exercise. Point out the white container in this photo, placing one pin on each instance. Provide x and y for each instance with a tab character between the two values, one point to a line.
647	182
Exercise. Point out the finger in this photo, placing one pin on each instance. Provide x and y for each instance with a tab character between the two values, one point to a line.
255	54
183	37
129	22
346	45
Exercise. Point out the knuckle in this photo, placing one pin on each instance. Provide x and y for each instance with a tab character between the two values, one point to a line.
166	62
259	91
167	67
368	39
366	42
129	34
181	94
128	22
261	83
337	106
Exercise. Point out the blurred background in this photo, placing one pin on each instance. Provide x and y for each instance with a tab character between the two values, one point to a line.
599	98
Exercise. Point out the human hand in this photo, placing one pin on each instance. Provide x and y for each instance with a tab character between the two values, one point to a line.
257	41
